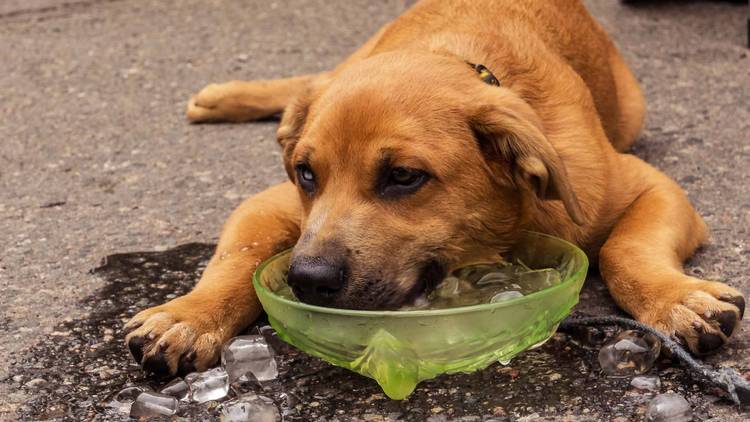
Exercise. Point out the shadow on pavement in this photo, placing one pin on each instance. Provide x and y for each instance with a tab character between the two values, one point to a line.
73	373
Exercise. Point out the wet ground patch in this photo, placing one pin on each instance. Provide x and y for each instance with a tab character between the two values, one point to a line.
72	374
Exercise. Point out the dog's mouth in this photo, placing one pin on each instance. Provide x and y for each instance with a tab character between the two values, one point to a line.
429	277
389	298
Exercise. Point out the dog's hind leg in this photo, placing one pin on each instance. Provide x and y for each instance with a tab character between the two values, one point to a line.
641	262
630	103
244	101
187	333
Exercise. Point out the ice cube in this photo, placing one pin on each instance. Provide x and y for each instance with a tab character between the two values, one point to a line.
122	401
535	280
496	277
209	385
473	273
250	408
629	353
177	388
646	382
503	296
150	404
669	407
249	355
501	274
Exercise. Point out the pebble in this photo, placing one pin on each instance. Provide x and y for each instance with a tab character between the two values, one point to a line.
646	382
36	383
105	372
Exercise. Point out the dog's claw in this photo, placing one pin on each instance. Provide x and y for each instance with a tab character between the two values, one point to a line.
737	301
135	344
131	326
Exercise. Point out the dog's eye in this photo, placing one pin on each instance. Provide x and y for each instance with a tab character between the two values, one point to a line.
404	177
402	181
305	177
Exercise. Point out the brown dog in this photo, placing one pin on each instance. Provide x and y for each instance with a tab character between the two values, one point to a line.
407	161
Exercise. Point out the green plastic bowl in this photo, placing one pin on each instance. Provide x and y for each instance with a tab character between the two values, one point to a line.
399	349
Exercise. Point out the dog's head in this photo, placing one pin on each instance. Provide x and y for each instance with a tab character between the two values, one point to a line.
407	167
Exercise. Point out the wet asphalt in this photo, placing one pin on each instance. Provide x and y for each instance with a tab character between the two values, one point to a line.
97	161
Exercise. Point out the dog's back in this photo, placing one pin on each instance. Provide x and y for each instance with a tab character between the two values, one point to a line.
518	37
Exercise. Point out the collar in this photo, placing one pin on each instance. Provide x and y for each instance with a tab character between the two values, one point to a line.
484	74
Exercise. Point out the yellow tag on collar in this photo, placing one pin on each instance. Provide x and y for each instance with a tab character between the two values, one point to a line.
485	74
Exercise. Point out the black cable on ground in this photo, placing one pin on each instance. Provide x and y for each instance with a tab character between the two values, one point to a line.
727	379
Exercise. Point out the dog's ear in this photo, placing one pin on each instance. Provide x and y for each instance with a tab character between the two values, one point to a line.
290	129
510	134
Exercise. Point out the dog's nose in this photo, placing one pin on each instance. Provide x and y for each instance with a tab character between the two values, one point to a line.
316	280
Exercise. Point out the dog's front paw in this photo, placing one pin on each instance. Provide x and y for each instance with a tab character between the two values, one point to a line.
700	314
178	337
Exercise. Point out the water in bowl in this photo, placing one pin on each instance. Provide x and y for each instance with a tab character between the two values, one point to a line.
477	284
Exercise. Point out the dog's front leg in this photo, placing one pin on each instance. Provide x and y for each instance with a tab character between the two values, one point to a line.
186	334
641	263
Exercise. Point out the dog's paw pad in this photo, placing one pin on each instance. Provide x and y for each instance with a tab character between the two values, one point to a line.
708	342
